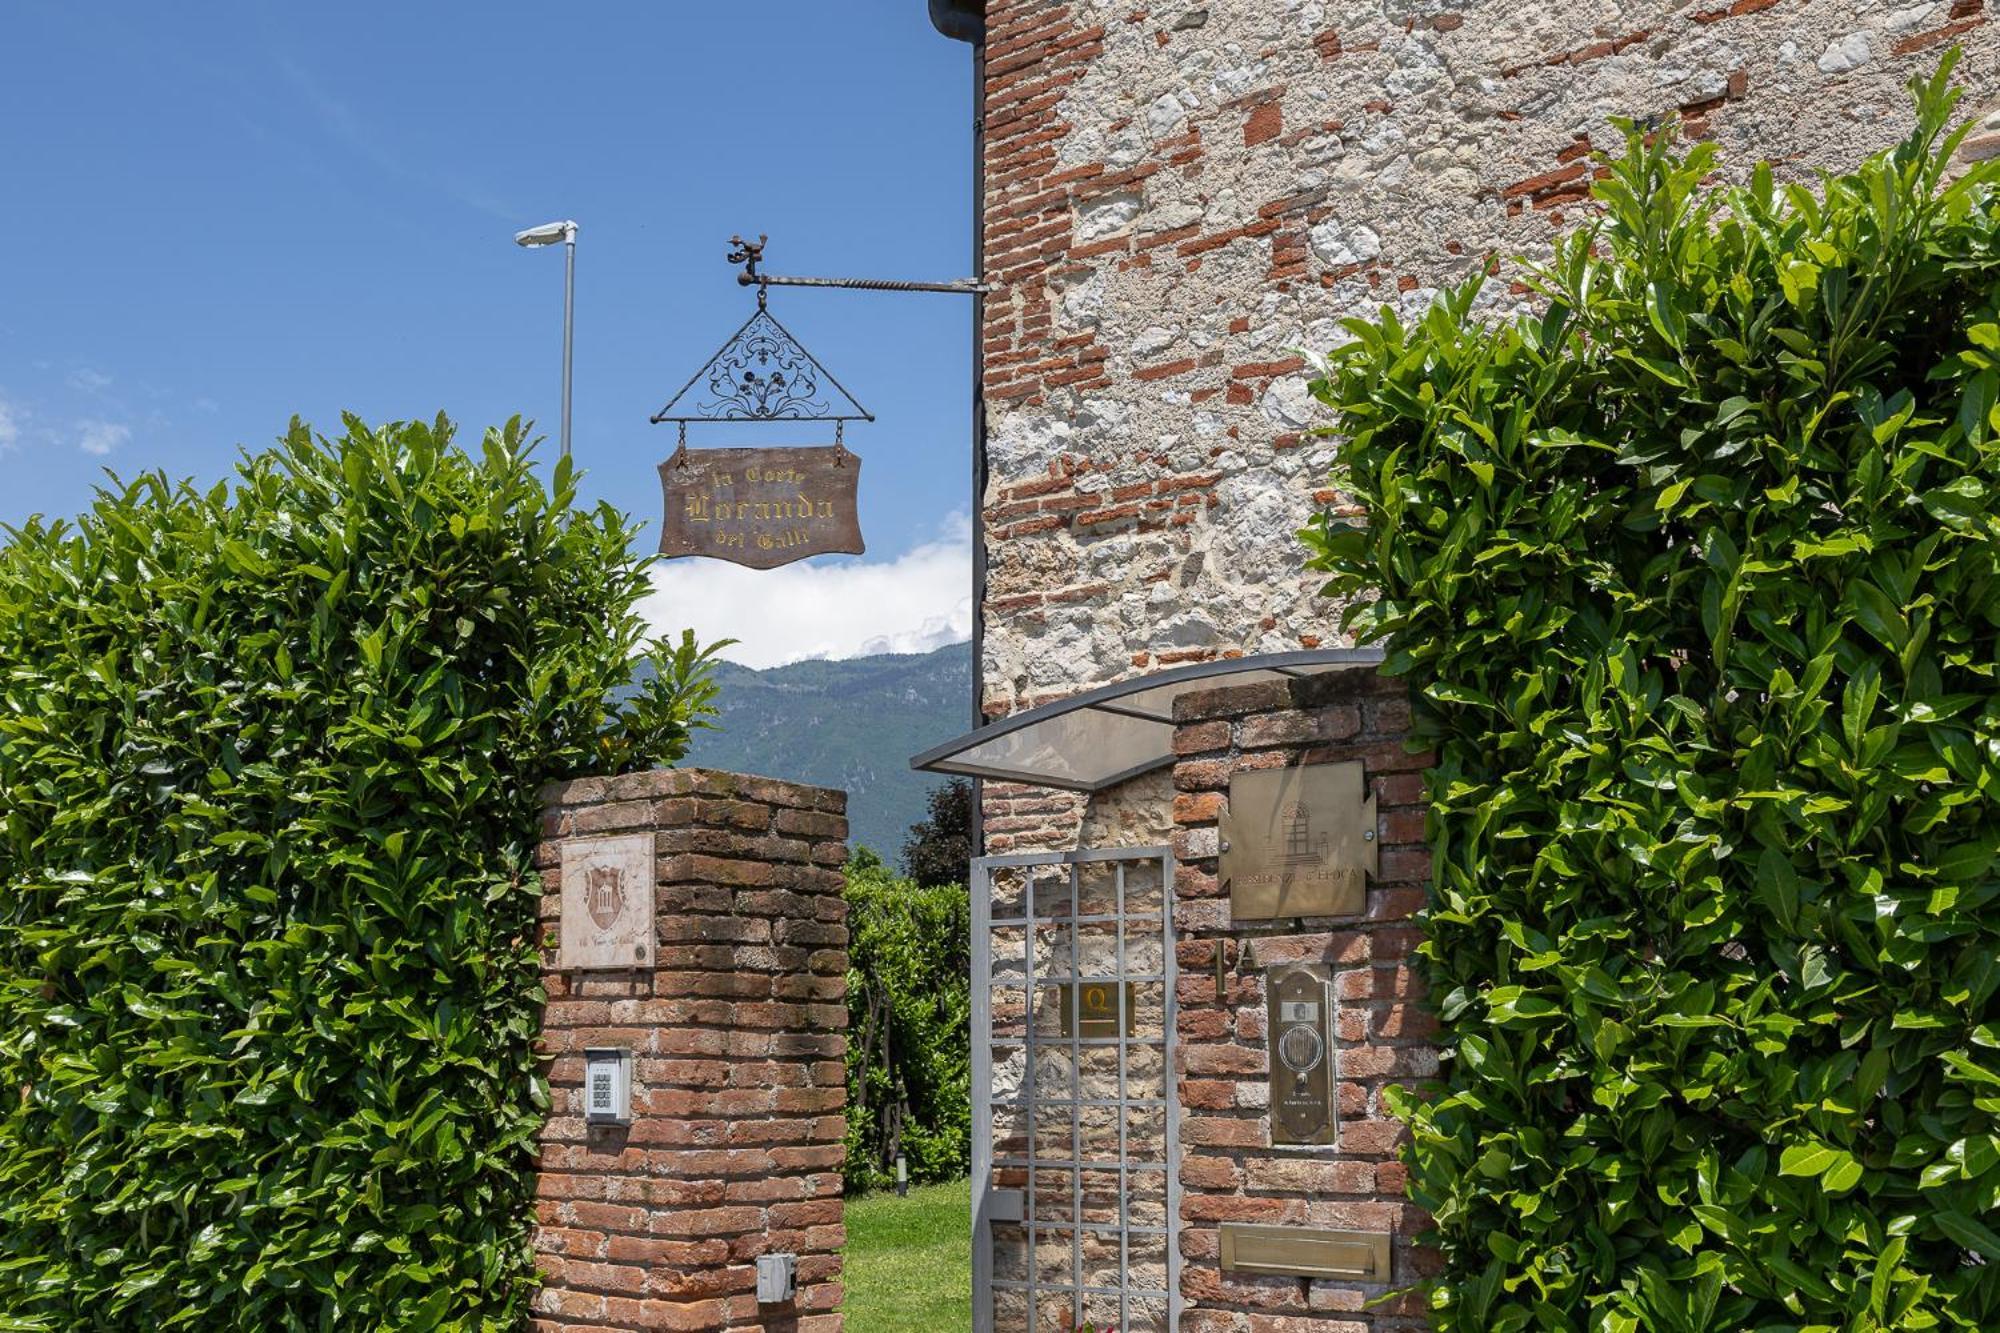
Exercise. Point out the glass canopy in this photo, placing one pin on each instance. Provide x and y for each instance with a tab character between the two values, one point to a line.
1105	736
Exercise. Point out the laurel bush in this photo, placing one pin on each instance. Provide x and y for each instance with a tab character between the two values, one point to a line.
269	760
1695	577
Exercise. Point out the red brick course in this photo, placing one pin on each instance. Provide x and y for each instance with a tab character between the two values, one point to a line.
1383	1034
738	1086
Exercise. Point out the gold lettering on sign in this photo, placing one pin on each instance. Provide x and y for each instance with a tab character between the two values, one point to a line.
761	507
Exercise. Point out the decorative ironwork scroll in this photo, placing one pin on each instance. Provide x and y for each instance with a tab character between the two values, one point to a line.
763	373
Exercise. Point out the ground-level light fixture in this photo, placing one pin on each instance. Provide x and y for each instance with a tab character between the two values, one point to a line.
549	233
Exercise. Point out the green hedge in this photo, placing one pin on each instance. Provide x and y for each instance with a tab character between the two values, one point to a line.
909	1017
1695	577
268	987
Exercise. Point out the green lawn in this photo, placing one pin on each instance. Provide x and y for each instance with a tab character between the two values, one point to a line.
909	1261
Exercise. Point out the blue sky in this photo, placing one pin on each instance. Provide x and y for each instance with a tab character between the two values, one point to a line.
225	214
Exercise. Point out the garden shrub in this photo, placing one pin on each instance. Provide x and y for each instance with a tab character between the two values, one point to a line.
269	759
909	1016
1695	578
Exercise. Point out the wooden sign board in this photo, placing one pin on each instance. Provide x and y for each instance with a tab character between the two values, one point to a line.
1299	841
761	507
607	903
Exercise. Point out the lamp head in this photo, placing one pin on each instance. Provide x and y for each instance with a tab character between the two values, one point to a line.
546	234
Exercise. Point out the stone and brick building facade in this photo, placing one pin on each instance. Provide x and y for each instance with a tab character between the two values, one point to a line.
1181	201
1183	198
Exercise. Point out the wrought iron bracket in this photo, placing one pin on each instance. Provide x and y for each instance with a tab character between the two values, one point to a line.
750	254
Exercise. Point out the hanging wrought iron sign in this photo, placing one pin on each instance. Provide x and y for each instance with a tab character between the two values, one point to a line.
762	507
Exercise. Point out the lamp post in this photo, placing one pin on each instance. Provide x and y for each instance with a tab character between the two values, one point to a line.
548	234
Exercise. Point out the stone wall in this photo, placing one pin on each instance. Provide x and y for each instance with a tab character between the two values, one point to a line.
738	1031
1181	196
1229	1173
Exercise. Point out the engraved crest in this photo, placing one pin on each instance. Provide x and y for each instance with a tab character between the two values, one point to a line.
604	894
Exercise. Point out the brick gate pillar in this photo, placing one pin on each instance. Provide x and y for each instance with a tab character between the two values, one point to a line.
1230	1172
737	1026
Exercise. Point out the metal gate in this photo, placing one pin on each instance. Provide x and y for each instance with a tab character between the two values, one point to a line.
1075	1143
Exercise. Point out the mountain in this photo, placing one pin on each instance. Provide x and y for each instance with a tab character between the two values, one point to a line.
852	724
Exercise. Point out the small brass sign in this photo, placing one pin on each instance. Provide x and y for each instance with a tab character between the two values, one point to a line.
761	507
1358	1256
1091	1008
1299	842
607	903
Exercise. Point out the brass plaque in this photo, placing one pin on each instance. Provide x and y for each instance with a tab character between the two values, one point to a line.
1359	1256
761	507
1299	841
607	903
1091	1008
1299	1028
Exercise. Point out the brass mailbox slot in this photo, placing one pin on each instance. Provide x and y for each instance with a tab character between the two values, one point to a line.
1299	1027
1092	1008
1359	1256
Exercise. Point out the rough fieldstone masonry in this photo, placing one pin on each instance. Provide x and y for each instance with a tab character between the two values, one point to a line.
1183	196
1229	1171
738	1083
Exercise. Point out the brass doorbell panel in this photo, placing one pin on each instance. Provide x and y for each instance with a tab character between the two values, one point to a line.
1300	1031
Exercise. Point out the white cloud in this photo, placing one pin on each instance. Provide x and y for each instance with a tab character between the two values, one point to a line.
101	437
10	425
88	380
918	601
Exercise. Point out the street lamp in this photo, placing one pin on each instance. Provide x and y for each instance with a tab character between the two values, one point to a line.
548	234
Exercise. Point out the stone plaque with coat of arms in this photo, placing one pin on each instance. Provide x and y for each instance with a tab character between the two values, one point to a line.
607	903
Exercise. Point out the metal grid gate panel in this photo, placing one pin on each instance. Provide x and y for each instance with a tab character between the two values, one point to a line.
1075	1134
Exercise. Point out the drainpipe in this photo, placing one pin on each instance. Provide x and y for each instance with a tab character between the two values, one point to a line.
965	21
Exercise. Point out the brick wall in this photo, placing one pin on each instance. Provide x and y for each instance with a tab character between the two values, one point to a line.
738	1034
1229	1173
1181	195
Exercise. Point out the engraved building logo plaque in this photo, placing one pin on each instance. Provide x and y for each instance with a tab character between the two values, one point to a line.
1299	841
607	903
